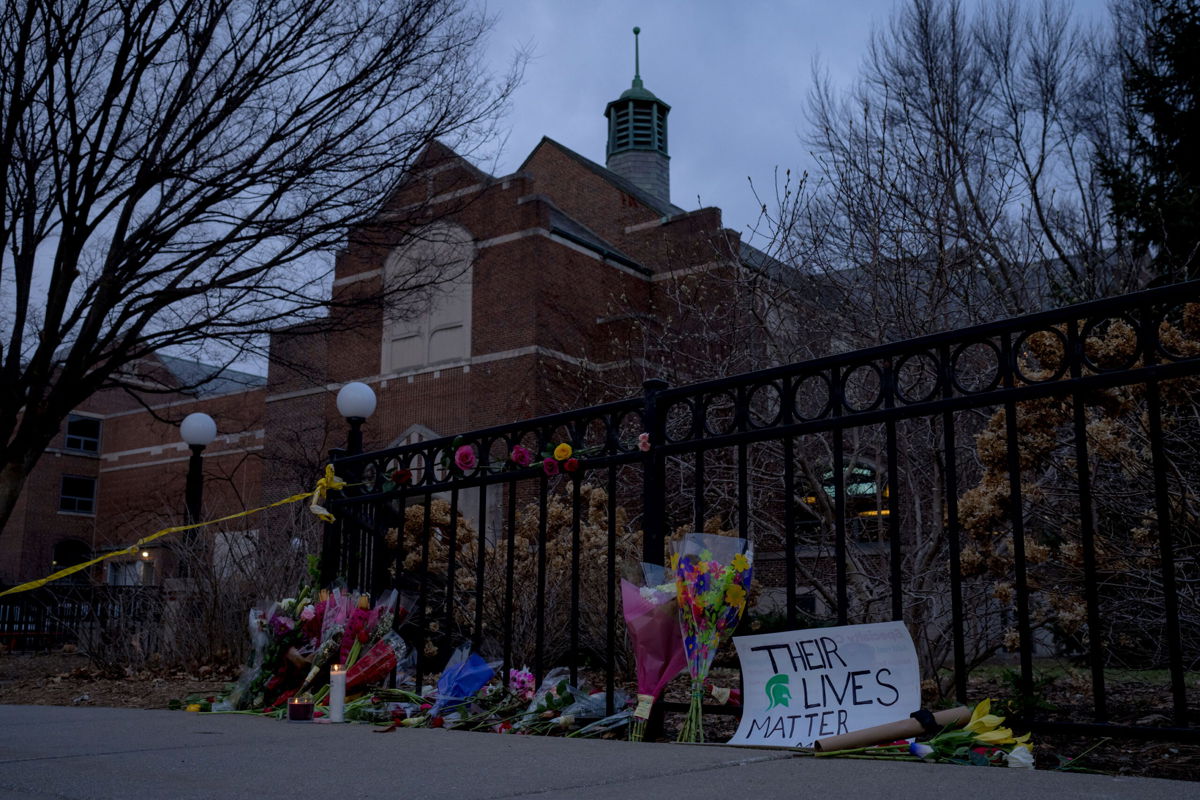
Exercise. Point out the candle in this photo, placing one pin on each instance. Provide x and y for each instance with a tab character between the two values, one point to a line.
300	709
337	693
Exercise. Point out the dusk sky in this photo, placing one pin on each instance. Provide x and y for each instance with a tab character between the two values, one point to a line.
736	74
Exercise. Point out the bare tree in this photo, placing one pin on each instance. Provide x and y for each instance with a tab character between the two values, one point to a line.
958	180
171	168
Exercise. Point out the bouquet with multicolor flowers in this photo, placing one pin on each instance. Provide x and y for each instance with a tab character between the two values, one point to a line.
712	579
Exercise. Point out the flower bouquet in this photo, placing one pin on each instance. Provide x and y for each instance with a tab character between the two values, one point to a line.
652	620
712	577
982	741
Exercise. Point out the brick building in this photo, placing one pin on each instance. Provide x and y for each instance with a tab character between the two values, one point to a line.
550	269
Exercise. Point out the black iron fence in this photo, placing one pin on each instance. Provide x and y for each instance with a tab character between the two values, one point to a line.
52	616
1022	492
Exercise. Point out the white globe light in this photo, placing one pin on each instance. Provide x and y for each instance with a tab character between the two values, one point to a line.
198	429
356	400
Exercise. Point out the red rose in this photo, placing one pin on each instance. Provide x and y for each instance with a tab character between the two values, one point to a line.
571	464
437	722
402	477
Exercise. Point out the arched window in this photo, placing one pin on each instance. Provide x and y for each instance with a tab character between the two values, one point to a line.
429	324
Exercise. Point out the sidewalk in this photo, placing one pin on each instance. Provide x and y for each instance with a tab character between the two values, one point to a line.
56	752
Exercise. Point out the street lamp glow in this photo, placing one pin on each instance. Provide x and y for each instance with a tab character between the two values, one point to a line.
198	429
356	400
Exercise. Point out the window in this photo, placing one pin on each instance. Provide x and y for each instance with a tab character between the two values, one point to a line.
68	553
83	433
436	327
78	495
131	573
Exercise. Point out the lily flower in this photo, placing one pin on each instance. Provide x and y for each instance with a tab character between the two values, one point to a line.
996	736
982	720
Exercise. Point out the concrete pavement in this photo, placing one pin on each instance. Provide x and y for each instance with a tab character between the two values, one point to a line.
56	752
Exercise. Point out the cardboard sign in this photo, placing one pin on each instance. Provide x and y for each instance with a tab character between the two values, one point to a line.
804	685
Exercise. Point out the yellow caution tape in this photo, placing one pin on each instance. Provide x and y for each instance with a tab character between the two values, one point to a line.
326	483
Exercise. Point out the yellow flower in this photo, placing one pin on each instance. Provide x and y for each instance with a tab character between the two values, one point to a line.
563	452
193	707
702	568
999	737
981	720
740	563
674	561
735	595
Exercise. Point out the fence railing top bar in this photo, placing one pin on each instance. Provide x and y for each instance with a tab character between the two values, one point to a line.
1176	294
370	494
549	421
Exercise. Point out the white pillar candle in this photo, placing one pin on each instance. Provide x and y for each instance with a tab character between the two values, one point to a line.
337	693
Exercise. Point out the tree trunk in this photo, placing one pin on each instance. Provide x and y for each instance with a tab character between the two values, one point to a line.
12	479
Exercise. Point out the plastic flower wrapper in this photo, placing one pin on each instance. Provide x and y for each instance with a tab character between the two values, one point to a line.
590	710
552	698
406	668
390	610
374	666
337	607
465	674
603	725
712	579
651	617
256	624
337	611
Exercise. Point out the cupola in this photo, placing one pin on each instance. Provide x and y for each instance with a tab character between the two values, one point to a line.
637	135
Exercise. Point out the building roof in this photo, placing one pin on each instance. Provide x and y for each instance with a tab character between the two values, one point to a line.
570	228
641	195
207	379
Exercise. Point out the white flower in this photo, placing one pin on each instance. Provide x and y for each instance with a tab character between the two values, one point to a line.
1021	757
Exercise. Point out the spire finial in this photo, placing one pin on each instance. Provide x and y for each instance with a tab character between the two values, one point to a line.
637	59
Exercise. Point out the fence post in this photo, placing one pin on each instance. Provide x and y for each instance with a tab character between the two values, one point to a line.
653	476
331	537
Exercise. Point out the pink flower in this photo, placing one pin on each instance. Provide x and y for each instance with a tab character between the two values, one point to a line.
308	613
644	442
521	456
550	466
464	457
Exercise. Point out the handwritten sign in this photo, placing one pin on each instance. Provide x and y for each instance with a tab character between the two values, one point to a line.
801	686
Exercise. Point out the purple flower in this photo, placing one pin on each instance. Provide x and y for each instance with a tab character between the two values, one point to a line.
703	582
281	624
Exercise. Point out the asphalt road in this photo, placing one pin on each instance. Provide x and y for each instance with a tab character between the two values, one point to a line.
55	752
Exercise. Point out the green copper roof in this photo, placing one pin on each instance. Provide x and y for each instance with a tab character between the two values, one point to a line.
638	91
637	119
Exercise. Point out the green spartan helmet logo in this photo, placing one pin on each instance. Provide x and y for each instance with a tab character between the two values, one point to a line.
778	691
